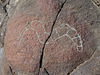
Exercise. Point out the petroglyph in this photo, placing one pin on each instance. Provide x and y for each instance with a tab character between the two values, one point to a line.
61	31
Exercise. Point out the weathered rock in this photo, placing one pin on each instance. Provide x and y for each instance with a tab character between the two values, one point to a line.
2	15
7	8
90	67
75	43
11	7
0	44
4	2
97	4
26	33
2	25
3	29
1	61
62	32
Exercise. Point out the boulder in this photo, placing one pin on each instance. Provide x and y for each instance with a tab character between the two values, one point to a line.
26	33
50	37
74	38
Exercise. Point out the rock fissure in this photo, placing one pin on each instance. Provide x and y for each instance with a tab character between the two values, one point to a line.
41	58
5	9
4	20
4	4
46	71
11	70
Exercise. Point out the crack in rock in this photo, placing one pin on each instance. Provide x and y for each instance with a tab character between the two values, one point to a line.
4	2
41	58
11	70
46	71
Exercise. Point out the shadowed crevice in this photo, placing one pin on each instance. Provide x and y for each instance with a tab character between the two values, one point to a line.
5	2
5	10
5	7
41	57
13	73
46	71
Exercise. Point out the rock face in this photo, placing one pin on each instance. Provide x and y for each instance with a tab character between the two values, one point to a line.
1	61
74	42
49	37
2	27
3	20
31	34
90	67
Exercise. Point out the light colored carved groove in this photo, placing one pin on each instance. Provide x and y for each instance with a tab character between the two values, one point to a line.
96	3
78	37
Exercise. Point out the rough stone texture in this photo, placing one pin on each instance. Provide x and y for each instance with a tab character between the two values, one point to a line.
2	15
4	2
6	11
1	61
2	30
73	41
61	56
11	7
90	67
23	46
97	4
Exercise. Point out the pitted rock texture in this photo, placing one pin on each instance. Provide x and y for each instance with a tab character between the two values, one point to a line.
90	67
62	32
12	6
75	45
7	8
3	20
26	49
4	2
1	61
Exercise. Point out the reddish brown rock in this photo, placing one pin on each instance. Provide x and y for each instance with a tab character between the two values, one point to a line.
26	33
75	45
72	40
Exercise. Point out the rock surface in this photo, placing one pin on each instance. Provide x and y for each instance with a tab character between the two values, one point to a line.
52	37
3	20
1	61
2	27
90	67
75	42
26	49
